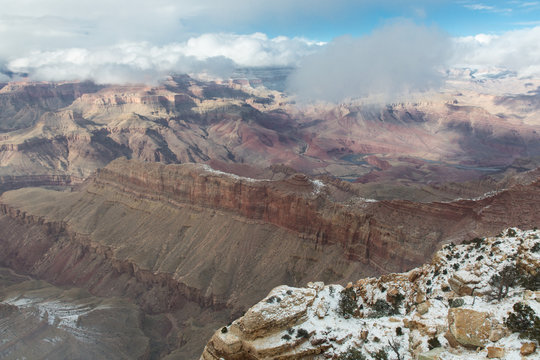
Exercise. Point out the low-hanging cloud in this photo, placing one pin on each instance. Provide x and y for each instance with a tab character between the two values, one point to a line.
216	55
398	59
517	50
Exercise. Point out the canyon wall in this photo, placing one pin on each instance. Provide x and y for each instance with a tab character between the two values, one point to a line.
175	237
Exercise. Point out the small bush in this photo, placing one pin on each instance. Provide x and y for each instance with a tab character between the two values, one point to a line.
399	331
502	282
347	303
457	302
536	247
477	242
289	292
524	321
224	330
290	331
302	333
456	266
433	343
511	233
286	337
271	299
382	354
382	308
352	354
445	288
531	282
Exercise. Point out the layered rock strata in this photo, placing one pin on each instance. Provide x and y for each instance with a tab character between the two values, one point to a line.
176	236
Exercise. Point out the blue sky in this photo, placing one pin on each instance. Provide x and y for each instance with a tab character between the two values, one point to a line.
357	18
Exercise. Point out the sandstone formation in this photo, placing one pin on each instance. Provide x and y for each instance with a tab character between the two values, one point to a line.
412	315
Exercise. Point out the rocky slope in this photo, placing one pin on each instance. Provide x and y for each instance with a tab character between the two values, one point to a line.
475	300
169	236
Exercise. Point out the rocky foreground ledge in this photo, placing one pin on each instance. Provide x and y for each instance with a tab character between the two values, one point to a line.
476	300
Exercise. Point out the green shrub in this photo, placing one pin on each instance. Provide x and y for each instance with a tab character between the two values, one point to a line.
502	282
352	354
457	302
399	331
286	337
511	233
348	302
224	330
382	308
302	333
524	321
382	354
433	343
531	282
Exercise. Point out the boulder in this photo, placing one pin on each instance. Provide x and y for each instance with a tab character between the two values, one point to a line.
282	307
423	308
470	328
495	352
528	349
463	282
434	354
322	309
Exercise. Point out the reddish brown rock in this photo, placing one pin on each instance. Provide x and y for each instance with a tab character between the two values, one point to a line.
528	349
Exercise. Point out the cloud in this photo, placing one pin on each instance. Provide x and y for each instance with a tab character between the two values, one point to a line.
489	8
398	59
517	50
251	50
215	55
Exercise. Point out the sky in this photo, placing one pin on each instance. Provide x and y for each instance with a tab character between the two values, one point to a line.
119	41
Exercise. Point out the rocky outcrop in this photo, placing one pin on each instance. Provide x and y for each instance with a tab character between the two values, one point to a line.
414	315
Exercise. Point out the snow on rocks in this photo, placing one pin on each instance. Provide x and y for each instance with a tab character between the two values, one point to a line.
456	307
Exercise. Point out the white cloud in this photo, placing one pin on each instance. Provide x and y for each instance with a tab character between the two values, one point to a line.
517	50
397	59
213	54
250	50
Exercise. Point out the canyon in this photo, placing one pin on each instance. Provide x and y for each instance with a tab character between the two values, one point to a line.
190	244
170	210
408	150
